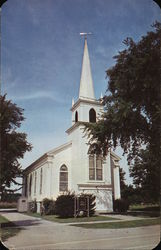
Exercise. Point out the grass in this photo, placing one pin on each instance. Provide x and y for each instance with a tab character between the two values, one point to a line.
71	220
147	207
3	219
7	232
122	224
145	210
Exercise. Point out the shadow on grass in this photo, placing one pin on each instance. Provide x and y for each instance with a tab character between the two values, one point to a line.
20	223
9	232
121	224
10	229
145	213
138	213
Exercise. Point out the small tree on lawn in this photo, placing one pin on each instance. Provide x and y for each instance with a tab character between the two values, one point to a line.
49	206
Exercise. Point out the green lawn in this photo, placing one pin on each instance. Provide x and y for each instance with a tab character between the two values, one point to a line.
145	207
70	220
3	219
145	210
122	224
7	232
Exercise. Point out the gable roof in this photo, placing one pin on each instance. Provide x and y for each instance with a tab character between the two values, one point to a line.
47	156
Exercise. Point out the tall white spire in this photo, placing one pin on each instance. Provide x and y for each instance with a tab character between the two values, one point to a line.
86	89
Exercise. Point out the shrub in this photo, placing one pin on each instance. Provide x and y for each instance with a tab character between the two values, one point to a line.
92	204
5	204
49	206
120	205
65	205
32	206
10	197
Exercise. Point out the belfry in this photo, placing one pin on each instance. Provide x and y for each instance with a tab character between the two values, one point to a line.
70	167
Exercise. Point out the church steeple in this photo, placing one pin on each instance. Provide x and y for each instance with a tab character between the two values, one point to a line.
86	90
86	108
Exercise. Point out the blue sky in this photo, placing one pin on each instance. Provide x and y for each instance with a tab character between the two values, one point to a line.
42	53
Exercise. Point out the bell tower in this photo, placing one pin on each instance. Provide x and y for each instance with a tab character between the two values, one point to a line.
86	108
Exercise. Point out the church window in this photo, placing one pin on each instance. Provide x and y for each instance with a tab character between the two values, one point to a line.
91	168
35	182
25	185
95	167
76	116
41	181
99	167
30	185
63	185
92	115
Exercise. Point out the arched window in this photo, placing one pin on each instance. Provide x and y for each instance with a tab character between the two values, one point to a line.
92	115
76	116
95	167
63	182
30	185
41	181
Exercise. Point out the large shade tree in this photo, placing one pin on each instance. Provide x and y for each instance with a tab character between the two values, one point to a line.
13	143
132	110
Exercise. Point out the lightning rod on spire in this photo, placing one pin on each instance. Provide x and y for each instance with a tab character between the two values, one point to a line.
85	34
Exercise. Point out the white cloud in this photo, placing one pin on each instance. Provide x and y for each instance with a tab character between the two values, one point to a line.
39	95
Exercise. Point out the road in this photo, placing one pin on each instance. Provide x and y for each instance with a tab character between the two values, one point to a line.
37	234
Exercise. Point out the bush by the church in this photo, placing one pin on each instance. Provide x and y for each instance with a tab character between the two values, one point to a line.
65	205
120	205
92	204
48	206
32	206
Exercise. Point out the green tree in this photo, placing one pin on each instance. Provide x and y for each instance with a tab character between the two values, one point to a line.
127	191
132	109
13	144
145	171
122	180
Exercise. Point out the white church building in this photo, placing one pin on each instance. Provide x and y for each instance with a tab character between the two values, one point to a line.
70	167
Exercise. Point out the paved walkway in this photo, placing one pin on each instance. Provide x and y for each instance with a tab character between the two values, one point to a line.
40	234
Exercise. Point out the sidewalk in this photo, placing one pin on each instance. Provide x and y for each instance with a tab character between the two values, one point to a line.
20	219
8	210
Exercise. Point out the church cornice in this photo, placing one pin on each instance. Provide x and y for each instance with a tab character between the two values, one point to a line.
73	127
115	156
86	101
59	149
46	158
94	185
38	163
